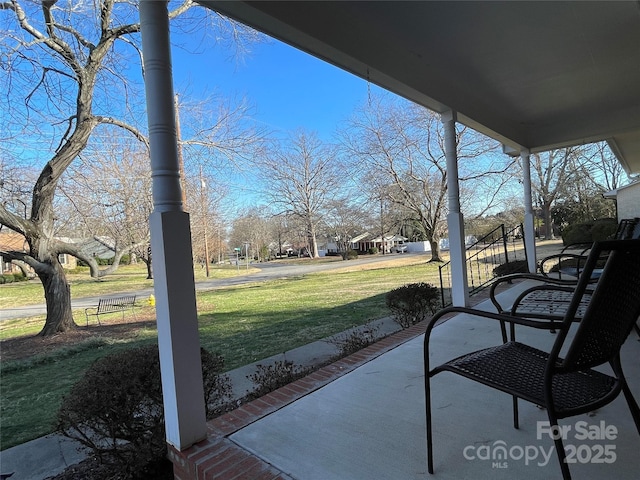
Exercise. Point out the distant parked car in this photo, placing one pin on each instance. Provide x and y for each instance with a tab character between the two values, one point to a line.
400	248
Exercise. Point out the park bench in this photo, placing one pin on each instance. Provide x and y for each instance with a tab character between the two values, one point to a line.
111	305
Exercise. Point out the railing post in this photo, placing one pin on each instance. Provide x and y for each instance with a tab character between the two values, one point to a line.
442	286
504	241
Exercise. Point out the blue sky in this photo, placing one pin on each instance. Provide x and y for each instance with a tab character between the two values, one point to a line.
288	88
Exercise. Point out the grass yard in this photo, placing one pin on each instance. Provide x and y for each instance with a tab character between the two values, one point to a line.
244	323
126	278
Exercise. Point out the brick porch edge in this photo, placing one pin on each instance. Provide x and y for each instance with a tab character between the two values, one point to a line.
219	458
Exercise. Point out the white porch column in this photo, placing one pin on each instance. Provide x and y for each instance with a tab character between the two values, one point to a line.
455	219
174	284
529	227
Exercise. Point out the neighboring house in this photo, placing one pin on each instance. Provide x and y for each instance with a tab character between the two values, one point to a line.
11	241
361	242
627	199
16	242
100	247
387	243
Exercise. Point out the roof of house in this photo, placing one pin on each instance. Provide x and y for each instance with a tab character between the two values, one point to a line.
613	193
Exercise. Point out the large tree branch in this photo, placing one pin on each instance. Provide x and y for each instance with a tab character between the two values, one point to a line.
52	41
129	128
24	257
15	222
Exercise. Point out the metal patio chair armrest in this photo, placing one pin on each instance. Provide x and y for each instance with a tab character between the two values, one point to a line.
503	318
509	279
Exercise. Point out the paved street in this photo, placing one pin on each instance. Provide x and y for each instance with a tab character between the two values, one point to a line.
268	271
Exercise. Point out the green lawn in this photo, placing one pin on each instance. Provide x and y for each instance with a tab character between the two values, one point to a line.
244	324
126	278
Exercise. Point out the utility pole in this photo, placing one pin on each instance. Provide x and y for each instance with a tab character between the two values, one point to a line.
205	214
246	253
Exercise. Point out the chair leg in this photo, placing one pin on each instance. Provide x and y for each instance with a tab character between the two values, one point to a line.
516	421
631	401
427	392
562	456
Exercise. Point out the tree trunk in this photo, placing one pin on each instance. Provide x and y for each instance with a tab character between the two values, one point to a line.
548	225
314	242
57	292
435	251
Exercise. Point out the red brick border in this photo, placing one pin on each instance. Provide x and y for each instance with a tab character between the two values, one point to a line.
219	458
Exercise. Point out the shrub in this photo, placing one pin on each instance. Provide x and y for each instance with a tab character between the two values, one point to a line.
604	229
8	278
350	255
20	277
589	232
271	377
518	266
372	250
577	233
413	303
116	409
356	339
78	269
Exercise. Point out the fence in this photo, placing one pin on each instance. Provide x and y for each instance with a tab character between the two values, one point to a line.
495	248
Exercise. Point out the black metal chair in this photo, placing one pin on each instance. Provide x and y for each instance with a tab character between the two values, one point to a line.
552	296
566	386
569	264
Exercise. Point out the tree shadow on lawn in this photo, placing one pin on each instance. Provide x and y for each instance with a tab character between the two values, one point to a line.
252	336
20	348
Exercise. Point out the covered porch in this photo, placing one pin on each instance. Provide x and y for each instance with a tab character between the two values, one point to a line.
363	417
534	76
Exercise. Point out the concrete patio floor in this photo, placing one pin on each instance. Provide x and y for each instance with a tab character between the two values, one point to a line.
369	423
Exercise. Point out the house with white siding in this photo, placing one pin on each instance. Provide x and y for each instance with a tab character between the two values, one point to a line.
627	199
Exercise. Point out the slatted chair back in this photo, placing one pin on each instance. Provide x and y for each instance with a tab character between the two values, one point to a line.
624	228
634	231
612	311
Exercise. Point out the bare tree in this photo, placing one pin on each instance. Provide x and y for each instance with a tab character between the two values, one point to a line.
400	148
551	176
594	171
65	60
343	221
251	233
604	169
206	207
301	178
108	194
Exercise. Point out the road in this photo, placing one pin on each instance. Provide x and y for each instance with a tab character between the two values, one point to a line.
268	271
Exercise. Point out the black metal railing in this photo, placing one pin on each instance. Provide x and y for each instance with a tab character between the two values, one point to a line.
495	248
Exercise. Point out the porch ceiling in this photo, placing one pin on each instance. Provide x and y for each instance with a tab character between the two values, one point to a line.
538	75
